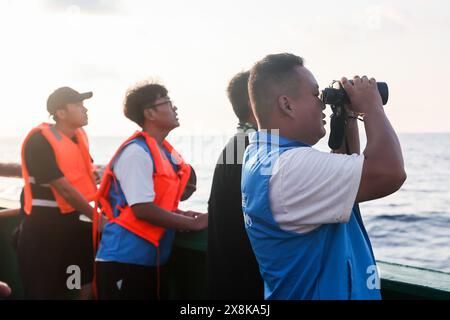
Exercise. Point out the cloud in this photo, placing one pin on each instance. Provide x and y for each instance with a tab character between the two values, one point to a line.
389	19
84	6
94	71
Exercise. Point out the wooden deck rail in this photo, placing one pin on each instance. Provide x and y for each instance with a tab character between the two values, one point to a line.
10	170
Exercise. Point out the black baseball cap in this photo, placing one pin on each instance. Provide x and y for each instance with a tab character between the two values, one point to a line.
64	95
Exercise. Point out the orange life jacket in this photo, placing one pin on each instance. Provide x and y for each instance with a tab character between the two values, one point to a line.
74	161
168	185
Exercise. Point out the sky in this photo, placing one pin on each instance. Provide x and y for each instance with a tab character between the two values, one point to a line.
195	47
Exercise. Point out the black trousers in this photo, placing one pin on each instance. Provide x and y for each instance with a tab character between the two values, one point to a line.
123	281
49	245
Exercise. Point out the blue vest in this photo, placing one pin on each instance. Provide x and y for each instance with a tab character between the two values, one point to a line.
334	261
120	245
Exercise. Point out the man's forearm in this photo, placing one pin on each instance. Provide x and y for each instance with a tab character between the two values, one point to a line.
352	134
383	145
77	200
158	216
351	138
72	196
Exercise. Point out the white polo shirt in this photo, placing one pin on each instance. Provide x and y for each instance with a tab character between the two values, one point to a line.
309	188
133	169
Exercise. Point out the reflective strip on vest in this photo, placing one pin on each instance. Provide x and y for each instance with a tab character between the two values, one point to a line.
33	181
44	203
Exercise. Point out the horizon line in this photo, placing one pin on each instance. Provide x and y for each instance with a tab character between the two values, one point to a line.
193	133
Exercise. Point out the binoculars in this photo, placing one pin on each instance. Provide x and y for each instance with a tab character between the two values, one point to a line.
337	98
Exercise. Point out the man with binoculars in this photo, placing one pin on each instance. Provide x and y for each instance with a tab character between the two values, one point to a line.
301	205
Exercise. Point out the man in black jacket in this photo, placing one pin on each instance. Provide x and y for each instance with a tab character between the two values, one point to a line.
232	268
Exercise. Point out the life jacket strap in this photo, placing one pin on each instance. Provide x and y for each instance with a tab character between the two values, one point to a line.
33	181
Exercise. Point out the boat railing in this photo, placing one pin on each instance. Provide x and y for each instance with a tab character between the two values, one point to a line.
10	207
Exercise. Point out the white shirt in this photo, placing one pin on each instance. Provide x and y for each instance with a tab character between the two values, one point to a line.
309	188
134	171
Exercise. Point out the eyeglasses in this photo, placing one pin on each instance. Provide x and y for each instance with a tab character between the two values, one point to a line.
161	103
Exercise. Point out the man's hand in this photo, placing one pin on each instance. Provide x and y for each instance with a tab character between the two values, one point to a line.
5	290
363	94
191	214
102	221
98	173
201	222
201	219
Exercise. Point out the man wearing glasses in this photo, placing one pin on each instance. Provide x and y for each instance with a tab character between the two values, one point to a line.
139	193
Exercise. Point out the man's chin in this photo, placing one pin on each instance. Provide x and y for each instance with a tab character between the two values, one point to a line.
82	124
175	125
322	134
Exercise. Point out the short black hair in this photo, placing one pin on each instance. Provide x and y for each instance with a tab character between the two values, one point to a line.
237	91
141	97
270	77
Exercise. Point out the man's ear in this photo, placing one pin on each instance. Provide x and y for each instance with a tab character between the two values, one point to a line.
285	105
60	114
149	113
